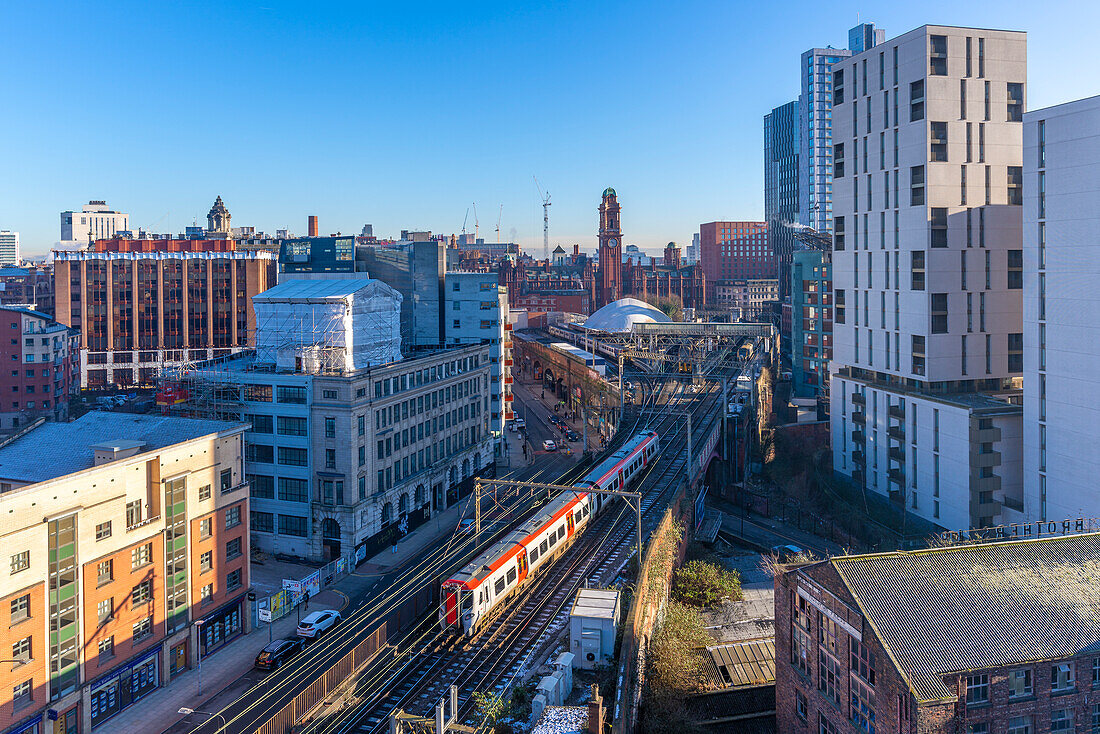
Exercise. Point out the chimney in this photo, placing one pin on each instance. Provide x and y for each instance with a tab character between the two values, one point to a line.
595	711
313	226
576	250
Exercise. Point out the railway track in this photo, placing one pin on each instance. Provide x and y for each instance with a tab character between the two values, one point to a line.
515	640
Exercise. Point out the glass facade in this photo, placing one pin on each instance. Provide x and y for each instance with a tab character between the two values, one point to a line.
64	607
781	185
175	545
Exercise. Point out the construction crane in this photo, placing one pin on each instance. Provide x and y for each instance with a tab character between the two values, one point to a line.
545	220
475	221
464	220
501	214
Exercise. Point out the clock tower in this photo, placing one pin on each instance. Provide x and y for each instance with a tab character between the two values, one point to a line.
611	242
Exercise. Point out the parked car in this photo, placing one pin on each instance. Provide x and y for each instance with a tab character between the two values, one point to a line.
572	435
316	624
278	652
786	552
549	445
519	425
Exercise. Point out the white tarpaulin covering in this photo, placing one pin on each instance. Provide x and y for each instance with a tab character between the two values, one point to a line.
329	325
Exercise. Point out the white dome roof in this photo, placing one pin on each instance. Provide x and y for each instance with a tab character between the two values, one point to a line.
620	315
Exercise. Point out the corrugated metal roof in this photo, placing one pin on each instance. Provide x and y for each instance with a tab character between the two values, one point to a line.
979	606
741	664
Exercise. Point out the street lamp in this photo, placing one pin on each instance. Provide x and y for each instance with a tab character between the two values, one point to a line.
188	711
198	649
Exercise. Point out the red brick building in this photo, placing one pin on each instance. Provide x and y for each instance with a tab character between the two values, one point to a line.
978	639
736	251
569	301
41	367
673	278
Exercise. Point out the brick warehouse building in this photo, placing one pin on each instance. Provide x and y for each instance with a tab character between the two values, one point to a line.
43	367
143	305
139	526
736	250
984	639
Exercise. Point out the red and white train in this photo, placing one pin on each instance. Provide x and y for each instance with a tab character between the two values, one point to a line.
469	596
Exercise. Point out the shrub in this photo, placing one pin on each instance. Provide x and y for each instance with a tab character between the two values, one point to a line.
703	584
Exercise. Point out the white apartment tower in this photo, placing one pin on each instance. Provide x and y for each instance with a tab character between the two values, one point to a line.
9	248
928	273
1061	299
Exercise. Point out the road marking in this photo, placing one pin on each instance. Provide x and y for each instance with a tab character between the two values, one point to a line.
346	600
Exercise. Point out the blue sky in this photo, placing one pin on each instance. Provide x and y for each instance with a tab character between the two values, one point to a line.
404	114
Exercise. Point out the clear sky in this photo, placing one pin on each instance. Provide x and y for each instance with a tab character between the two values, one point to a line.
403	114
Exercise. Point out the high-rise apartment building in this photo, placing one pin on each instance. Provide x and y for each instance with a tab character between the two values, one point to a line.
815	139
93	222
129	554
927	272
144	305
781	186
811	323
863	37
1061	298
735	251
9	248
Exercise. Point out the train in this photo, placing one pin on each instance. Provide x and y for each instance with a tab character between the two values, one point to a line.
470	596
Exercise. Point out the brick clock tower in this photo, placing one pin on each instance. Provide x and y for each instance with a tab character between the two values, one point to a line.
611	244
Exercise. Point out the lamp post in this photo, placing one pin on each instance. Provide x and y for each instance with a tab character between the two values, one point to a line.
198	650
188	711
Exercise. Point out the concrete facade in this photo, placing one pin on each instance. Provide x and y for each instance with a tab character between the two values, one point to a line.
93	222
1061	344
9	248
926	267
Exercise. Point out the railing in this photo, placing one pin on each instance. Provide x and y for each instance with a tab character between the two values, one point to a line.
142	523
234	488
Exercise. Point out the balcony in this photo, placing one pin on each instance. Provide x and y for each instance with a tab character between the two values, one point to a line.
896	432
859	417
857	436
858	398
896	453
897	476
984	509
985	484
985	435
897	412
235	488
859	458
990	458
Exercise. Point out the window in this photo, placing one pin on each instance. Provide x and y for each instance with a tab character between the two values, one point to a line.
937	58
978	727
1020	725
21	561
1016	185
293	490
824	726
285	394
1019	683
1042	143
916	101
916	186
206	594
21	650
1015	102
939	141
142	593
330	458
141	556
838	233
204	492
261	486
838	305
939	226
330	428
262	522
22	694
917	270
862	711
290	426
225	480
1061	720
1096	671
293	457
206	562
918	354
107	647
1015	269
257	393
838	160
233	580
292	525
143	629
977	689
105	609
233	517
103	530
259	452
328	394
233	549
104	572
1061	677
939	313
838	87
829	676
260	423
1016	352
133	513
800	705
863	661
20	608
800	649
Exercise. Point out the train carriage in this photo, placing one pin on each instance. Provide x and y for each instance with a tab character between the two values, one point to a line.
470	596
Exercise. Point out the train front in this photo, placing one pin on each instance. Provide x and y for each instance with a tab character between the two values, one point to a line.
456	608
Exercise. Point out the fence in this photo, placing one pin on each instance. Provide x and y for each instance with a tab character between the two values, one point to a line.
283	602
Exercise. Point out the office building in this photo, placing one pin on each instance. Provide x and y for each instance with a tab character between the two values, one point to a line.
781	186
416	269
93	222
477	313
927	273
44	369
124	544
811	323
692	254
747	300
864	36
735	251
992	637
350	446
1061	298
30	286
146	305
319	257
9	248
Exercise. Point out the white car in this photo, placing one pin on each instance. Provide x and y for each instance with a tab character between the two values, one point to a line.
316	624
549	445
519	425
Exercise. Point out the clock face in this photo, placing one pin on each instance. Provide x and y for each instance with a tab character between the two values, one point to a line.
612	242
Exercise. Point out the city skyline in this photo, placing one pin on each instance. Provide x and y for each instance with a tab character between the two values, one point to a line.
283	115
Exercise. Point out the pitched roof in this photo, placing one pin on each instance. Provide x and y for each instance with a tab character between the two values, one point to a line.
972	607
745	663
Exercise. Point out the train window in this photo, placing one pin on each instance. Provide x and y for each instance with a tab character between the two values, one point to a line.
543	546
561	532
534	556
511	574
499	585
467	600
577	516
480	598
553	538
585	510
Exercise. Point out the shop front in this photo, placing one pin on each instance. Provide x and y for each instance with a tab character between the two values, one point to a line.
221	626
124	686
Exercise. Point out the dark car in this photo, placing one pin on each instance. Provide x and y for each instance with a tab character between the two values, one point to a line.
572	435
278	652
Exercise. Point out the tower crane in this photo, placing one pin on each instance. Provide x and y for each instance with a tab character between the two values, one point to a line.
475	221
501	214
545	220
464	220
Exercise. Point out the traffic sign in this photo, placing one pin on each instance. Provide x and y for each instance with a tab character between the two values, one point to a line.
265	615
